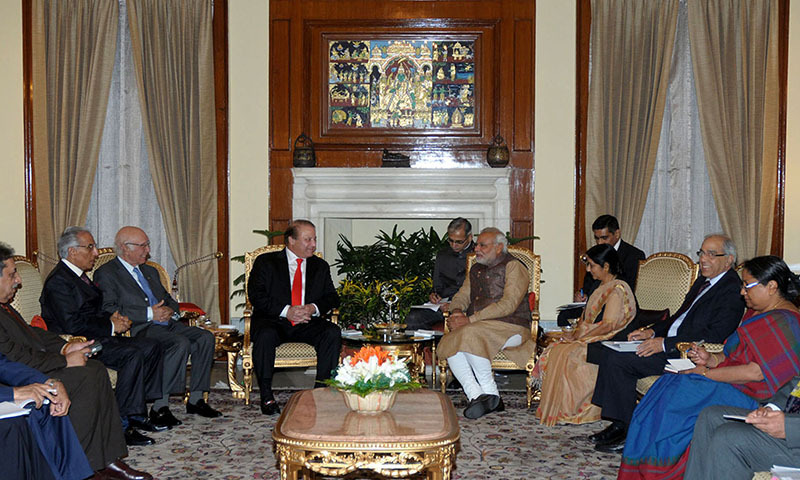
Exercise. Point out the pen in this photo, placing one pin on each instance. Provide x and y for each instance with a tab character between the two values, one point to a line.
646	327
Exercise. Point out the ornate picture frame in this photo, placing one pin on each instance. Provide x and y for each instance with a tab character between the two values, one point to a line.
401	82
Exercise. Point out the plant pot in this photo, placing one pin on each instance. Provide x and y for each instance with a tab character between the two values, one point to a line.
374	402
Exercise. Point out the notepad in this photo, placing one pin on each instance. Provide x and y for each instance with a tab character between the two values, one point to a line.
623	346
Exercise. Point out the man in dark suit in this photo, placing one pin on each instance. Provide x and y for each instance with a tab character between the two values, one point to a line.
44	446
292	292
606	231
132	288
94	413
72	304
711	311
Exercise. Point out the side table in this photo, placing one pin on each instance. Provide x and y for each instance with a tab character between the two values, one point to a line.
317	432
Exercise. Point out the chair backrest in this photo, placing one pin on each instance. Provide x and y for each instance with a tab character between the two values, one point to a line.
532	262
664	279
107	254
26	300
250	258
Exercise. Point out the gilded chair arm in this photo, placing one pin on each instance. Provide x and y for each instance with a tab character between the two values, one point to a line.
335	316
248	312
72	338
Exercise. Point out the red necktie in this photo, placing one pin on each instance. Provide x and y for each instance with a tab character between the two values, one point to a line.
297	284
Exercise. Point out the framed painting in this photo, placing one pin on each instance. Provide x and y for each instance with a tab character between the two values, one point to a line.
401	83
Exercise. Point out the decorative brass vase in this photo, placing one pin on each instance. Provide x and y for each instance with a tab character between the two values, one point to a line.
497	154
303	155
375	402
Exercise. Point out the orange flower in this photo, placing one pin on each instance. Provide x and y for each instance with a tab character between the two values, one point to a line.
368	351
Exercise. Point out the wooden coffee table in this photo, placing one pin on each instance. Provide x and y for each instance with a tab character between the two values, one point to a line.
317	432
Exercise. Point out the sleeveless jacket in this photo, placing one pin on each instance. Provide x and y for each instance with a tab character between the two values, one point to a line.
486	287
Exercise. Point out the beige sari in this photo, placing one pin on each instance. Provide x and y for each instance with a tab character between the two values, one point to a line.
567	380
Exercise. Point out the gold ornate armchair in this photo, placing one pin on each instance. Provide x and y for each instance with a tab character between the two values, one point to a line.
286	355
533	263
107	254
664	279
664	269
26	300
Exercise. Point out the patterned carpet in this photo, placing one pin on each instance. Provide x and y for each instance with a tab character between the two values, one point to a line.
503	446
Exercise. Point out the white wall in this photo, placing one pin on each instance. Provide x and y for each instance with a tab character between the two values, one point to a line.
12	191
248	76
554	182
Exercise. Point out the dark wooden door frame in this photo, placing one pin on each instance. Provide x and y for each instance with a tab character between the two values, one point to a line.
220	36
584	22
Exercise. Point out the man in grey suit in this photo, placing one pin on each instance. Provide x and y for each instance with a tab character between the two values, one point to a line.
133	288
731	450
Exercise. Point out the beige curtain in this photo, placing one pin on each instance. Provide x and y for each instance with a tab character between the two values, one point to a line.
735	55
173	54
74	42
631	50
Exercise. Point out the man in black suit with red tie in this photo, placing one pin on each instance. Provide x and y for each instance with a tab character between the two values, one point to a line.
711	311
292	293
72	304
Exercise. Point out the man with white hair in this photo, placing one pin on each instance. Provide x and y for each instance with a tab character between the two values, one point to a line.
488	314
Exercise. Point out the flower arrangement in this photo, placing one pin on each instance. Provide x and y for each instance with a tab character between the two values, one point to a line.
371	369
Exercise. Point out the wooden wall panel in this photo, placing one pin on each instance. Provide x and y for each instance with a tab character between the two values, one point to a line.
279	92
523	86
505	32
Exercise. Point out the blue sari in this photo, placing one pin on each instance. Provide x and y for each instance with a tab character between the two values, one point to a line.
663	422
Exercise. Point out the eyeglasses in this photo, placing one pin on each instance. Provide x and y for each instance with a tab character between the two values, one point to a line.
91	246
750	285
142	245
457	242
703	253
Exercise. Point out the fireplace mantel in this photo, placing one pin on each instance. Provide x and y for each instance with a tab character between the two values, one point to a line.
330	197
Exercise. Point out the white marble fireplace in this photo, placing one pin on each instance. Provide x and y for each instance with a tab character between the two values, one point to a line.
336	198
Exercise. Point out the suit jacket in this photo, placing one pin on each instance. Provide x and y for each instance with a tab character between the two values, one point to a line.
32	346
712	318
16	374
70	305
269	288
629	257
122	293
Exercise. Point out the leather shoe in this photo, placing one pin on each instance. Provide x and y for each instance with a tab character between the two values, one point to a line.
270	407
475	409
134	438
146	425
484	404
611	447
119	470
608	432
164	417
203	409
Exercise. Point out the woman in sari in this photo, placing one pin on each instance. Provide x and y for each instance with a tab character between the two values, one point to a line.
759	358
567	380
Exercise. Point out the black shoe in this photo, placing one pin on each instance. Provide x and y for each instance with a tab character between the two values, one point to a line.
500	407
203	409
454	384
134	438
164	417
484	404
475	409
146	425
611	447
270	407
610	431
615	442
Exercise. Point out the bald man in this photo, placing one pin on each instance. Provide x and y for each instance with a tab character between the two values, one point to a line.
133	288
